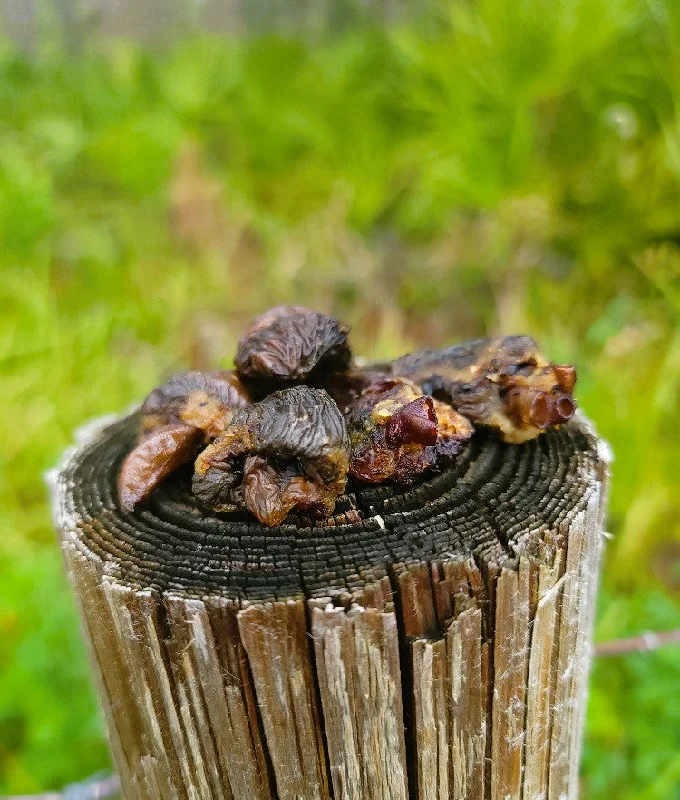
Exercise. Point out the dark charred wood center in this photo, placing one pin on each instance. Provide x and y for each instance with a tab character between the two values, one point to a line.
496	501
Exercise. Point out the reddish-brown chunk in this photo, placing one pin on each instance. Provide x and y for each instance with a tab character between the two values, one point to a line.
205	400
154	458
503	383
290	451
397	433
289	345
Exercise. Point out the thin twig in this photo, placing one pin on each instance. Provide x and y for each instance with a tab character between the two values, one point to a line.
641	643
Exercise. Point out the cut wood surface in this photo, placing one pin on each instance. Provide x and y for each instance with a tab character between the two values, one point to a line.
425	643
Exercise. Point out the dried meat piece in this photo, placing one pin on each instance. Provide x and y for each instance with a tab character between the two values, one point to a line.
205	400
503	383
189	409
288	345
157	456
288	452
398	433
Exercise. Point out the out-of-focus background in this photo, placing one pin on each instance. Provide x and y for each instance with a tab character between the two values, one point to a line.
426	172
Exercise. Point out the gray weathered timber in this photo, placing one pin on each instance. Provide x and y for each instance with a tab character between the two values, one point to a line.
429	643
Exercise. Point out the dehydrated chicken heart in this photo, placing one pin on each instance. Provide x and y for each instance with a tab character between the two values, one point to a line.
503	383
289	451
289	345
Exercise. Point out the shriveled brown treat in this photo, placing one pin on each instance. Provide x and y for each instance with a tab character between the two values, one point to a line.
205	400
271	495
289	451
288	345
503	383
190	409
397	432
159	454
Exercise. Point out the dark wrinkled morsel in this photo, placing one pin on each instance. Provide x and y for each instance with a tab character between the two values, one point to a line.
190	408
205	400
503	383
288	451
397	432
289	345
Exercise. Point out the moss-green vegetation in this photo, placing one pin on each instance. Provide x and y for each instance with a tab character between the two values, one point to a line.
513	167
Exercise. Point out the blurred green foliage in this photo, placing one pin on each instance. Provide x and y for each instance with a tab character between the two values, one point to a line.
506	166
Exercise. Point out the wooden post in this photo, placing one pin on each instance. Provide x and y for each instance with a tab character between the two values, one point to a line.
429	643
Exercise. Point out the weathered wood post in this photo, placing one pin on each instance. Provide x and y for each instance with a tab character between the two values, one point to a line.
428	643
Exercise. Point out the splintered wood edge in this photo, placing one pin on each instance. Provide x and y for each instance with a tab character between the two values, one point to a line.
442	682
